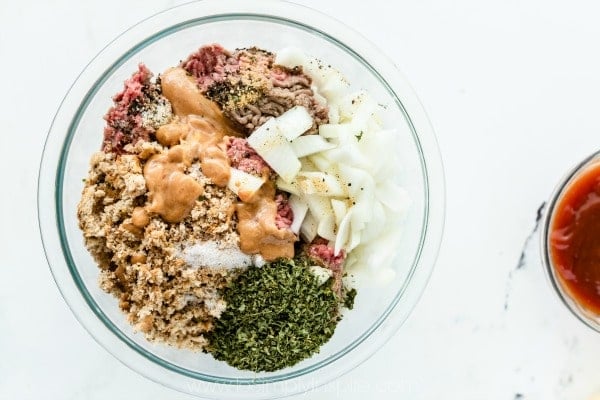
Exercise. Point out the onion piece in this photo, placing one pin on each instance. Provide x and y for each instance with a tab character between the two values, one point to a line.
379	147
290	187
294	122
290	57
308	230
340	210
319	206
343	234
273	147
320	162
326	227
322	274
354	240
310	144
392	195
321	183
299	208
330	131
358	179
375	227
333	114
243	184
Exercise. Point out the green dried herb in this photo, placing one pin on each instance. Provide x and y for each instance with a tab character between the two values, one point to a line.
349	299
276	316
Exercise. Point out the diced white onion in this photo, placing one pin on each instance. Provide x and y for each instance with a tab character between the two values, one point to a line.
308	230
344	189
320	162
392	195
326	227
320	183
290	57
343	234
319	206
322	274
275	150
340	209
283	161
290	187
310	144
294	122
299	208
243	184
375	227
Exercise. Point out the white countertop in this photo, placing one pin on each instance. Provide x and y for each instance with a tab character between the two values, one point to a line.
513	92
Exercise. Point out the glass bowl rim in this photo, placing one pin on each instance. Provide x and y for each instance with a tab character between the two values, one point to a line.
58	197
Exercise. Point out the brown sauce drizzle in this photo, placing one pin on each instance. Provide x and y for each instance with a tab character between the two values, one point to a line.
172	191
199	132
257	228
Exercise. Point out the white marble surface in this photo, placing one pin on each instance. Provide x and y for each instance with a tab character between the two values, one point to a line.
512	90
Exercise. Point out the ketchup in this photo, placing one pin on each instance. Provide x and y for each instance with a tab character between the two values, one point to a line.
575	239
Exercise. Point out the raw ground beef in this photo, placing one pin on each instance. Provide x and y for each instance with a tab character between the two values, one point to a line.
210	64
250	88
245	158
285	215
138	110
320	251
322	254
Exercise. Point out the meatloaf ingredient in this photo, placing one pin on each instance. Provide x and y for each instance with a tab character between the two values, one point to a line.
186	99
210	64
202	131
139	254
138	110
319	252
173	193
258	228
250	88
276	316
245	158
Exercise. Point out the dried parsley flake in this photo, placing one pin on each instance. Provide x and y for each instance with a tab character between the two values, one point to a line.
276	316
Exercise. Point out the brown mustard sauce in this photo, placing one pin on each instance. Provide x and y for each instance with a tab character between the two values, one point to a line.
257	228
199	132
140	217
173	193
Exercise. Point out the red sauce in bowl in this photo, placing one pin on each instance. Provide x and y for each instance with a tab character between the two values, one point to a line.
575	239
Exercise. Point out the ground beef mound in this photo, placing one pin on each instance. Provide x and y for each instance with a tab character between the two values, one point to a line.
210	64
245	158
250	87
138	110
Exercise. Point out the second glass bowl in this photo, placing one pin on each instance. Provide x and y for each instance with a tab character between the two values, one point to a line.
557	273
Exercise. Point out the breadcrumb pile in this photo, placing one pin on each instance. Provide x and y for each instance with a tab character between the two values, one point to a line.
162	296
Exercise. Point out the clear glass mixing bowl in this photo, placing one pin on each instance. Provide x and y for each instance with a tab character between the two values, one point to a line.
161	41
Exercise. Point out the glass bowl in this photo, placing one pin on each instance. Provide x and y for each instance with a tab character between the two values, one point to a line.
584	315
161	41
